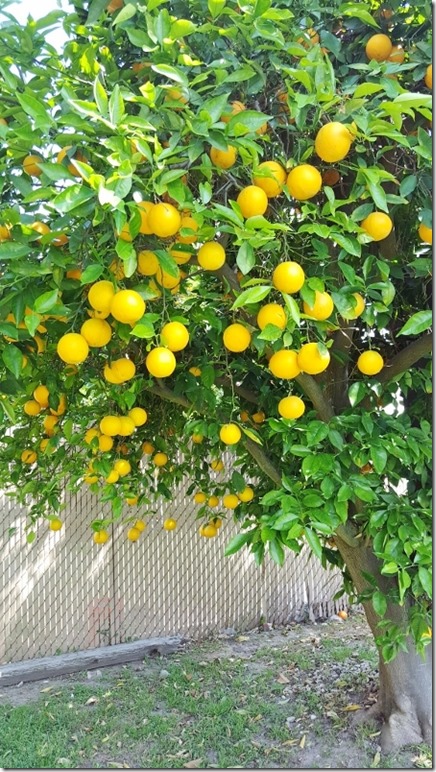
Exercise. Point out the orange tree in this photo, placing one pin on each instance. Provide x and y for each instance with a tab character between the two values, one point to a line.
215	226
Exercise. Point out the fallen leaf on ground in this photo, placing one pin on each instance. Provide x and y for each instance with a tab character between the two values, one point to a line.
91	701
242	638
47	689
290	742
352	707
282	679
376	760
302	742
194	764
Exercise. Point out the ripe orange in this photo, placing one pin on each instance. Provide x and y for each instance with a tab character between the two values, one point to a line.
322	307
213	501
195	371
236	337
127	427
370	363
96	332
55	524
90	434
291	407
176	95
246	495
123	370
72	348
41	228
288	277
237	107
49	424
342	614
378	225
127	306
5	233
78	156
132	500
160	362
110	425
244	416
147	448
160	459
217	465
230	501
208	531
428	77
41	395
74	273
148	264
117	268
252	201
271	313
230	434
140	525
30	165
311	361
397	55
62	406
358	308
123	467
304	182
164	220
180	255
224	159
100	537
138	415
274	179
211	256
217	522
310	38
133	534
284	364
105	443
112	477
258	417
169	524
100	296
166	280
200	497
188	222
197	438
175	336
32	407
378	47
425	234
28	456
333	142
145	207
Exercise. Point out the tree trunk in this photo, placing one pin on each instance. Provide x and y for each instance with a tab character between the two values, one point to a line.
405	694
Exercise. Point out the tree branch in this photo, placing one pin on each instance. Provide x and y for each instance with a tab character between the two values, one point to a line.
313	390
406	358
262	460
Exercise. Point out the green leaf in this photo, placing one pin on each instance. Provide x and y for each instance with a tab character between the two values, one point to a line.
71	198
276	551
238	541
215	7
357	11
251	295
379	458
356	393
404	582
252	435
182	28
91	274
167	263
116	106
336	439
417	323
46	301
379	603
242	73
365	89
145	329
292	306
13	359
408	185
96	9
215	106
171	72
9	251
313	500
345	492
245	259
284	521
101	97
314	542
389	568
36	110
425	578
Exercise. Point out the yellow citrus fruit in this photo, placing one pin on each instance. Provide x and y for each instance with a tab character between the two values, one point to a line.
78	156
55	524
284	364
40	227
236	337
224	159
180	255
358	308
44	444
244	416
397	55
100	296
273	181
230	501
213	501
112	477
271	313
291	407
133	534
166	280
164	220
110	425
370	363
117	268
49	424
428	78
188	222
105	443
123	467
160	459
140	525
160	362
123	369
127	306
208	531
169	524
30	165
195	371
174	336
230	434
333	142
197	439
425	234
132	500
211	256
72	348
5	233
310	38
258	417
32	407
148	264
41	395
288	277
217	522
322	307
96	332
62	406
109	375
217	465
237	107
310	360
90	479
124	234
100	537
378	225
176	95
138	415
147	448
304	181
246	495
28	456
252	201
127	427
200	497
378	47
90	434
145	207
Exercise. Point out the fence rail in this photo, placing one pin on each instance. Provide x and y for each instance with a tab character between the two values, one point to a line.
64	593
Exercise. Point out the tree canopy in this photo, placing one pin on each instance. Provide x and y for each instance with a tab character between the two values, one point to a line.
215	231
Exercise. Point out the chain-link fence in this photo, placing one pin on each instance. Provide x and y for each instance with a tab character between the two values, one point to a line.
65	593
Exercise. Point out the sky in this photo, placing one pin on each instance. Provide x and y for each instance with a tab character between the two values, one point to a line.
37	9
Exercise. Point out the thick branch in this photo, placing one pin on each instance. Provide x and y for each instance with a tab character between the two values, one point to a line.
338	370
313	390
262	460
406	358
164	392
246	394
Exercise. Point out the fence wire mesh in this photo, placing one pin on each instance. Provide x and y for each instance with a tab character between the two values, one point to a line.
64	593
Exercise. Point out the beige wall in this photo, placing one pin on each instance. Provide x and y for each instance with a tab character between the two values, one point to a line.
64	593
